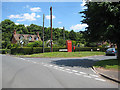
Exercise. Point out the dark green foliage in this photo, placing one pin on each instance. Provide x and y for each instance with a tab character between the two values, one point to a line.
32	50
89	49
35	44
9	26
103	20
5	51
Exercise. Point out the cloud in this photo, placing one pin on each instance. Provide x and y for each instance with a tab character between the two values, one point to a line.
17	23
38	16
48	17
59	22
79	27
25	16
35	9
83	4
26	25
60	27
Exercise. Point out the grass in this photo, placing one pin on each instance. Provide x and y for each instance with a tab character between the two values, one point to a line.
108	64
65	54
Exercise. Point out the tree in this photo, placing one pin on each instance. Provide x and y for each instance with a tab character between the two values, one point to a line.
72	35
103	22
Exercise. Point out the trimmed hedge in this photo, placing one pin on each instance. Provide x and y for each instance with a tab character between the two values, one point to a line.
5	51
32	50
89	49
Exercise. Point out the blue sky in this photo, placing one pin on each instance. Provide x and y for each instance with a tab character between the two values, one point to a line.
64	14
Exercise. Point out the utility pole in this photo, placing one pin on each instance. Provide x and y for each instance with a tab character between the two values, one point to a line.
43	32
63	33
51	27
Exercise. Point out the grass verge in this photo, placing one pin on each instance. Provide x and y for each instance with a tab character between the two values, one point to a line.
108	64
65	54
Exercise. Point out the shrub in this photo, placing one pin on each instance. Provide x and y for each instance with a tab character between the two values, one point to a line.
89	49
35	44
5	51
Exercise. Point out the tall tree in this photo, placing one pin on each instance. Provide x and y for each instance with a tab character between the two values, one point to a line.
72	35
103	19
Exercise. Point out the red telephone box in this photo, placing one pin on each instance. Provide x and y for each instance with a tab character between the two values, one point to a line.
69	45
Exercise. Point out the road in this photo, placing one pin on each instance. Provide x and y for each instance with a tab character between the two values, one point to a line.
52	73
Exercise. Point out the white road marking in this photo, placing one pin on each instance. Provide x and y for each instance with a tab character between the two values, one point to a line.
50	65
93	70
67	69
82	73
55	66
94	75
100	79
77	73
22	58
87	76
74	71
61	67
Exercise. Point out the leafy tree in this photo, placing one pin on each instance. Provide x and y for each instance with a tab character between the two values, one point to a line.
72	35
103	22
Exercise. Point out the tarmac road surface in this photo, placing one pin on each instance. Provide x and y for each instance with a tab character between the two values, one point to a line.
52	73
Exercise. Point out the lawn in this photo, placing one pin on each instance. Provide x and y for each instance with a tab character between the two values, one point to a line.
66	54
108	64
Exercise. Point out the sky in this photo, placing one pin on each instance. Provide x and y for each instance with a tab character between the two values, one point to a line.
64	14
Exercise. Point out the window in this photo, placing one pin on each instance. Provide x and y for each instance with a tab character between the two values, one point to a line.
30	38
37	39
21	37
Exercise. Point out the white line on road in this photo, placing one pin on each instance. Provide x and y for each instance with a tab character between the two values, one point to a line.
67	69
74	71
87	76
100	79
93	70
94	75
50	65
22	58
82	73
61	67
77	73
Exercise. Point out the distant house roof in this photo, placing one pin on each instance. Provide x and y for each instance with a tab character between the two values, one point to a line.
25	36
17	37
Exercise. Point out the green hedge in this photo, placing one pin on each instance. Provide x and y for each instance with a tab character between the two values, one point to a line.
32	50
5	51
89	49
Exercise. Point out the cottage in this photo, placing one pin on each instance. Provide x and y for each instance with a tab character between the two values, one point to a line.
30	38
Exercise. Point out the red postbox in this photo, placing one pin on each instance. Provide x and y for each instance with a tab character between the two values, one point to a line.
69	45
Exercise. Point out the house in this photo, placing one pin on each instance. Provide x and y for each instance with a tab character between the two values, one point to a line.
19	37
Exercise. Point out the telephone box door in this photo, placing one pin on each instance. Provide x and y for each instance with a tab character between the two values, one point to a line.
69	45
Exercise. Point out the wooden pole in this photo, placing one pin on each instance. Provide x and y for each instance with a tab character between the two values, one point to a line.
51	27
43	32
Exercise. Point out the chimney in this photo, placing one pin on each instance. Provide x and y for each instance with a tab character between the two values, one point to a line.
38	34
14	32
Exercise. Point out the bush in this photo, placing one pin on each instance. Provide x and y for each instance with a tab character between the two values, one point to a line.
32	50
35	44
5	51
89	49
